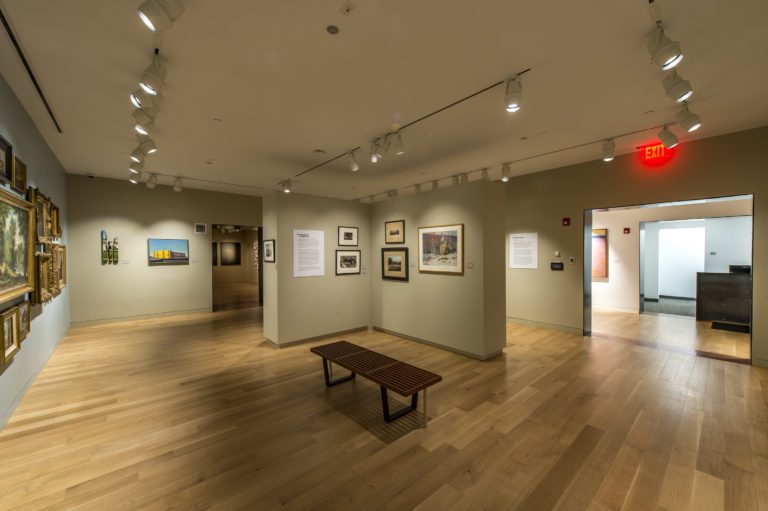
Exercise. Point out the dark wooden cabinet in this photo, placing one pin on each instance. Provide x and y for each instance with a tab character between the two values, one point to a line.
724	297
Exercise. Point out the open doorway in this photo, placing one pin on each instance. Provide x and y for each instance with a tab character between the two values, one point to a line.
674	275
236	262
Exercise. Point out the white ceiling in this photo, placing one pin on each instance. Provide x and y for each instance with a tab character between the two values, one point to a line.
282	86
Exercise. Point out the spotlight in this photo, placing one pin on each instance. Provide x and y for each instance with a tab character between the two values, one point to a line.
153	77
137	156
435	185
381	147
676	87
609	150
374	156
463	179
505	172
514	95
455	180
287	186
136	167
147	145
158	15
687	120
417	188
177	184
665	52
397	144
668	138
145	121
152	181
353	165
141	99
391	194
484	174
135	178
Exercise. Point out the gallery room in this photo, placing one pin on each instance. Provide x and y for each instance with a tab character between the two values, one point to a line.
383	255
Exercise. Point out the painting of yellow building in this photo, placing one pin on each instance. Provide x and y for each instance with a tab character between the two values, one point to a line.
163	252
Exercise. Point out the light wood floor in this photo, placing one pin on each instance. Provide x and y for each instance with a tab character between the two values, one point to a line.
235	295
667	330
198	412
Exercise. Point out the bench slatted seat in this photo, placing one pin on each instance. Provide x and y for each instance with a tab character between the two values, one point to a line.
388	373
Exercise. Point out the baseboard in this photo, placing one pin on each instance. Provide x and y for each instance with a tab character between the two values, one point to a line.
316	338
438	345
759	362
615	309
678	298
654	300
119	319
541	324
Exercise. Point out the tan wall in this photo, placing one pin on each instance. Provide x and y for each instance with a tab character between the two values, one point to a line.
134	214
313	306
462	313
733	164
246	271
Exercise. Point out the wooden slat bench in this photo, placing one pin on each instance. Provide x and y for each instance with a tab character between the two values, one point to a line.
388	373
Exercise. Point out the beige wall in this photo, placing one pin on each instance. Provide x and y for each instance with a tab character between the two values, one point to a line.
246	271
313	306
462	313
733	164
134	213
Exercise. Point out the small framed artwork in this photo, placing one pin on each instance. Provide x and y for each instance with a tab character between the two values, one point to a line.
348	236
60	265
441	249
269	251
394	264
19	175
55	222
6	161
44	283
25	319
231	254
9	333
162	252
214	254
394	232
42	214
347	262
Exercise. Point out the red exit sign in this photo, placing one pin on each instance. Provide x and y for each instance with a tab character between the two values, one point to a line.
655	154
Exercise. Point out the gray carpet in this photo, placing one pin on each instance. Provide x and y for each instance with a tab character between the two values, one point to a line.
672	306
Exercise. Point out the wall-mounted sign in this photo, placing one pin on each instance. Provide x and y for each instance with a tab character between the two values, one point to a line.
655	154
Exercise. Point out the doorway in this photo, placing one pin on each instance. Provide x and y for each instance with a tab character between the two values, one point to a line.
673	275
236	267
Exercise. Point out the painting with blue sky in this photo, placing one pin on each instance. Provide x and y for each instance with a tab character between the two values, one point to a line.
167	252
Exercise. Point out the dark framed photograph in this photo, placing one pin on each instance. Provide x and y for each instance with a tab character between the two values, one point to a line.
6	161
394	264
231	253
394	231
348	236
19	183
348	262
270	253
441	249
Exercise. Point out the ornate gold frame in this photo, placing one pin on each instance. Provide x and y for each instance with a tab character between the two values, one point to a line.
21	289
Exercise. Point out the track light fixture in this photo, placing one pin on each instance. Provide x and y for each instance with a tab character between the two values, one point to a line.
382	146
398	147
391	194
142	99
158	15
287	186
137	156
484	175
463	179
668	138
144	121
136	167
147	145
609	150
435	185
353	165
505	172
417	188
454	180
134	178
514	95
664	52
153	78
374	156
676	87
152	181
687	120
177	185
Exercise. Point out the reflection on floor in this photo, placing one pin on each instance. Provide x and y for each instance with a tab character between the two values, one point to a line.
674	331
197	411
235	295
672	306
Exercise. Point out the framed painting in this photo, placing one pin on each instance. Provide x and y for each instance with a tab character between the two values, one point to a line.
6	161
163	252
42	205
9	333
599	253
104	246
60	265
44	283
214	254
441	249
348	262
348	236
231	253
19	183
25	319
270	253
17	271
394	231
394	264
55	222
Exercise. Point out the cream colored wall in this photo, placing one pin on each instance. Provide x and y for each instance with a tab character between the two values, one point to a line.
733	164
313	306
621	290
462	313
134	214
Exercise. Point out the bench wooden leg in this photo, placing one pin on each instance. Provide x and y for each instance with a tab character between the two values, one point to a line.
425	408
389	417
328	374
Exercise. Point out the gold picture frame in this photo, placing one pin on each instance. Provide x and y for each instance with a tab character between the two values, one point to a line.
25	319
44	286
42	205
60	266
19	183
17	227
55	221
10	342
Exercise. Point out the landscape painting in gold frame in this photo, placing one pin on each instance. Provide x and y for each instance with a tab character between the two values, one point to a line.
9	334
17	224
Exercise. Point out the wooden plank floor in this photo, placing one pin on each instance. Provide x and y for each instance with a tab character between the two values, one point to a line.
199	412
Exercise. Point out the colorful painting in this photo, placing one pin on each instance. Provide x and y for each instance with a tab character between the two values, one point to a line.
104	247
394	264
163	252
599	253
441	249
230	253
16	245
